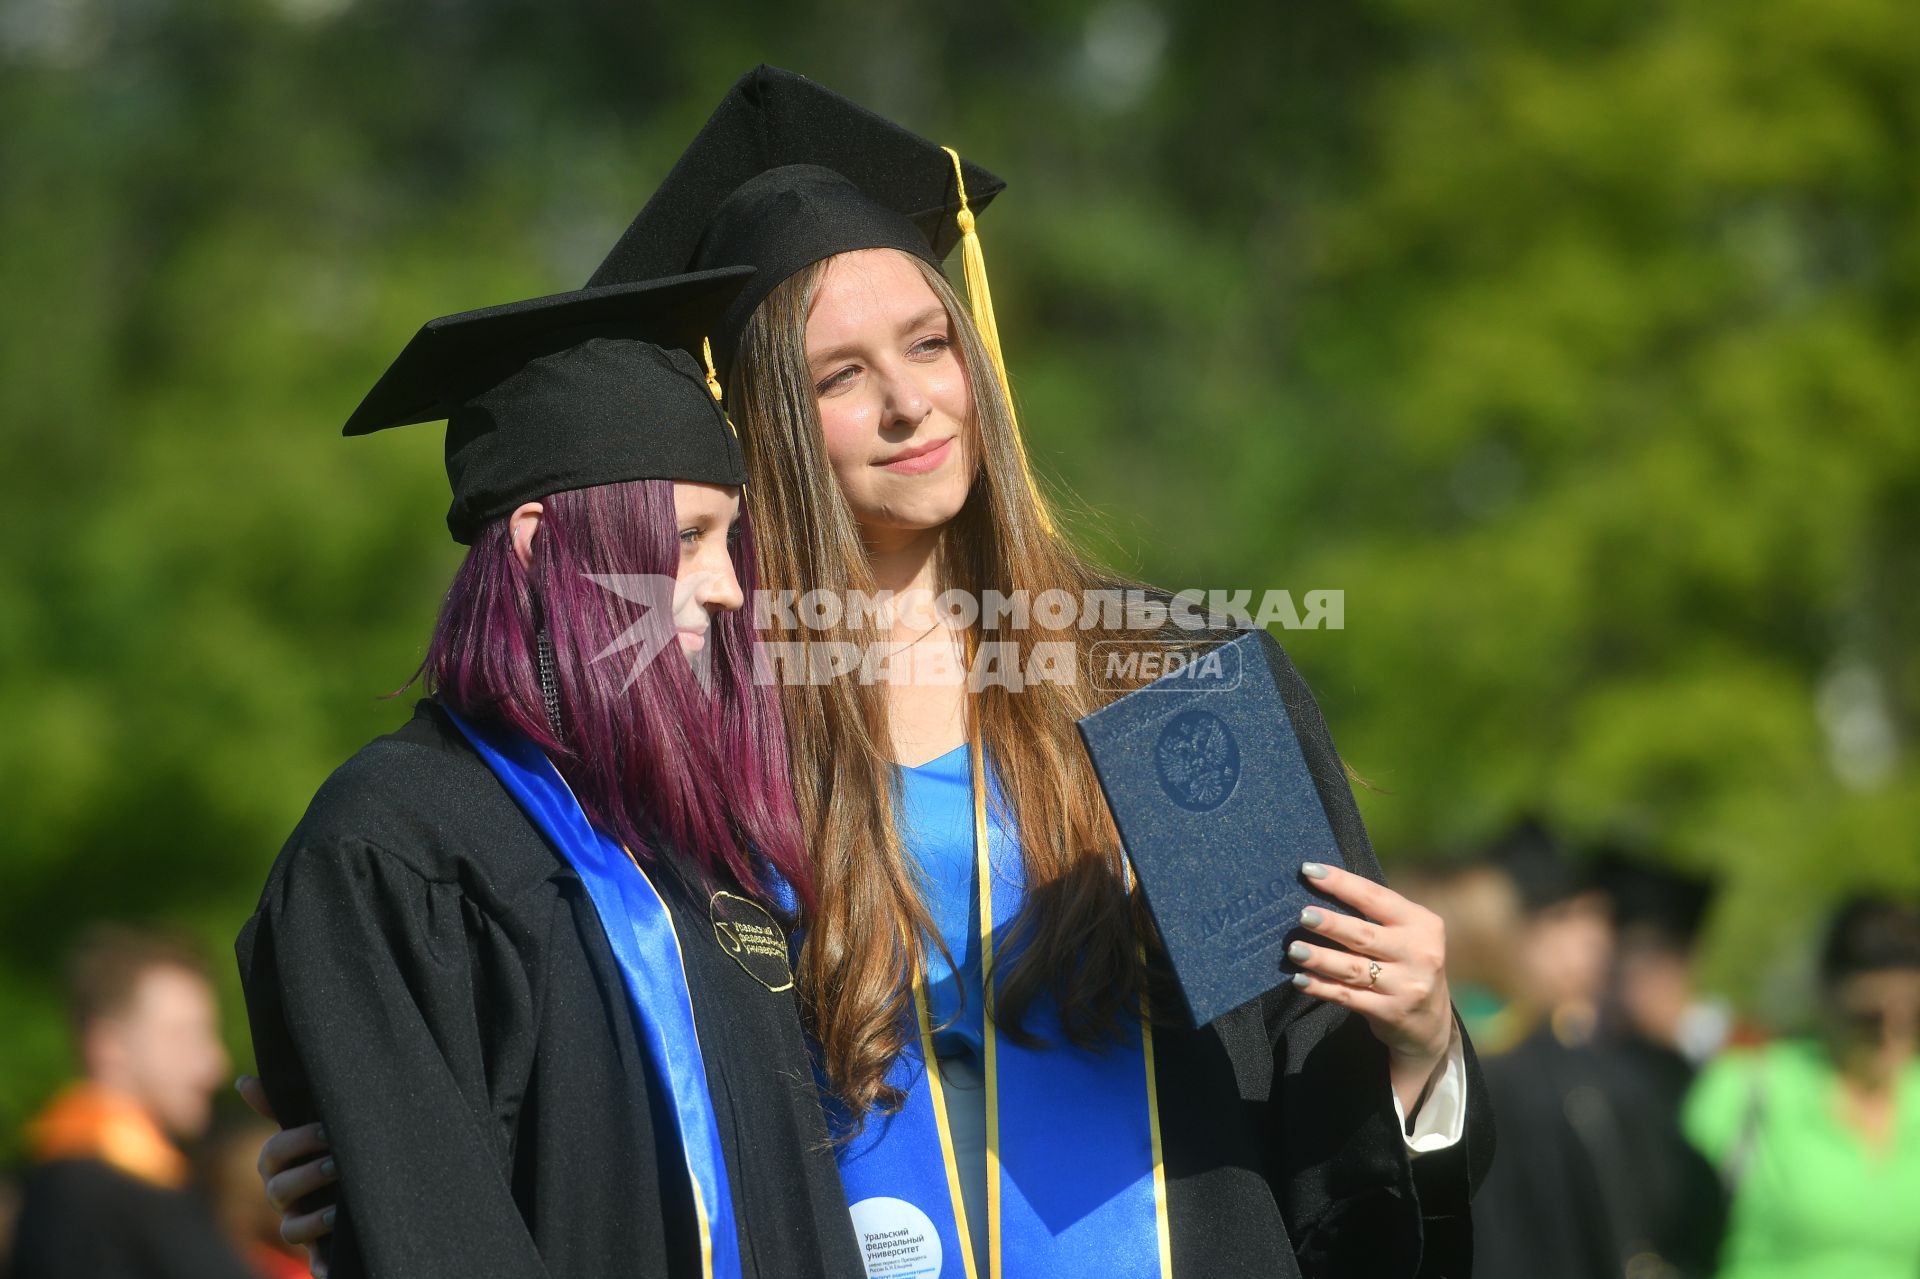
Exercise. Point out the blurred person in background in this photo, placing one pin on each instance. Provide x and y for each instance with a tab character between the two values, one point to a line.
1481	908
1818	1138
1655	1030
1547	1208
245	1215
1655	1013
108	1194
9	1219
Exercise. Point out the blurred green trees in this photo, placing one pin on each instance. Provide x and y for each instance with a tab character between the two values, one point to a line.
1577	343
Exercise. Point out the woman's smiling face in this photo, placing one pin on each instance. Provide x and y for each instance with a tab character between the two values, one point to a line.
892	392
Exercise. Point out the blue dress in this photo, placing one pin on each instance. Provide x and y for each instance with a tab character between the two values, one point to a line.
936	828
1227	1092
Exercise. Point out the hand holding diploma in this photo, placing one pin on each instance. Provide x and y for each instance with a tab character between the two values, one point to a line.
1388	964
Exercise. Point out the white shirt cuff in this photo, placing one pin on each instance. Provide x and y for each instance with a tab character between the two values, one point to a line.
1442	1121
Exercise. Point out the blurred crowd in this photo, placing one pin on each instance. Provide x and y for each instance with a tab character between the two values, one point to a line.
1642	1132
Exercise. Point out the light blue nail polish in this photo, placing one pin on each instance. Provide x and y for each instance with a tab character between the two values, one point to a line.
329	1167
329	1215
1311	917
1298	953
1301	979
1314	870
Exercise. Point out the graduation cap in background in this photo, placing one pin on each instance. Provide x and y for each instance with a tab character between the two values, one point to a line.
1543	867
549	394
786	173
1654	901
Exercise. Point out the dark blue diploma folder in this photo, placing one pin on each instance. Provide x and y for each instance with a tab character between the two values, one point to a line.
1214	802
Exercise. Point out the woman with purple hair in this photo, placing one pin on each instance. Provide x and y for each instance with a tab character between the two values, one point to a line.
524	958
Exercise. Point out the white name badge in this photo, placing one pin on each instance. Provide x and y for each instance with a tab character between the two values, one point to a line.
897	1240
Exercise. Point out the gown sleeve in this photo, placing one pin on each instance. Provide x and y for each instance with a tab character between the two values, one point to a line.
1352	1187
365	1014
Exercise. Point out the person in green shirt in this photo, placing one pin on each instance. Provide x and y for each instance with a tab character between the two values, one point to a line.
1819	1139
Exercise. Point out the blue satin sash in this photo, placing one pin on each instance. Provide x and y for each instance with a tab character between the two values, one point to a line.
640	931
1075	1187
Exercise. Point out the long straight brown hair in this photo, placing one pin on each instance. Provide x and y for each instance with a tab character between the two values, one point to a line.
1079	934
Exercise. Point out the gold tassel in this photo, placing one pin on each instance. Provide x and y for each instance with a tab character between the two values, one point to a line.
713	378
713	384
973	263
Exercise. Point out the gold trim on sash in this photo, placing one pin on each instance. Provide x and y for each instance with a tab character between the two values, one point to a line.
1163	1230
706	1232
936	1093
699	1199
976	757
1162	1226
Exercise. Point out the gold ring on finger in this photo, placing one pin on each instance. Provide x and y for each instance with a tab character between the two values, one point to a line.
1373	972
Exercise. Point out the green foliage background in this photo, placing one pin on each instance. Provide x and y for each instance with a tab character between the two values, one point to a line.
1578	343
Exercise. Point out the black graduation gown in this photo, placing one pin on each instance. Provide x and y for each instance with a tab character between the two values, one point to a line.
1675	1206
1597	1176
1281	1139
85	1219
427	976
1547	1208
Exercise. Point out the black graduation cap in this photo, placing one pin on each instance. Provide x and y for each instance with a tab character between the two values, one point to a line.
1652	899
550	394
785	174
1543	867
